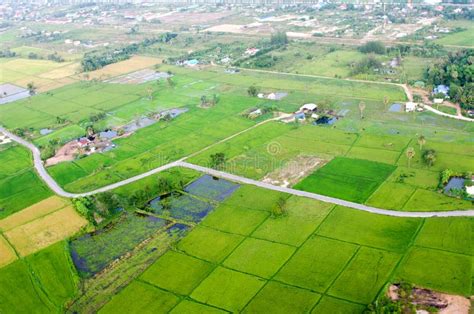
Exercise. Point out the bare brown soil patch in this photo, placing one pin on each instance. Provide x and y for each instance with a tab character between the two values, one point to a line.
425	298
294	170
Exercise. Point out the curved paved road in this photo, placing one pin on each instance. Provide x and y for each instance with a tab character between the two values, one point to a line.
181	163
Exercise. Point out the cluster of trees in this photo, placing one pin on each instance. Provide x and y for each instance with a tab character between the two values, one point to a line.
7	53
53	57
97	117
96	60
105	205
108	204
373	47
205	102
366	65
279	39
428	155
457	71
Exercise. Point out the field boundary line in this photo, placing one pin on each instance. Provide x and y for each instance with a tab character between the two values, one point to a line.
54	186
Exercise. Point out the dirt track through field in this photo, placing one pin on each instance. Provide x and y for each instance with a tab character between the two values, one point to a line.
181	163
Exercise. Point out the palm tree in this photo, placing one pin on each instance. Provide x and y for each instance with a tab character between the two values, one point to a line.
421	141
386	100
361	109
410	154
430	157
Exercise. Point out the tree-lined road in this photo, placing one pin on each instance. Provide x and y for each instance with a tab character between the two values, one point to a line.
38	164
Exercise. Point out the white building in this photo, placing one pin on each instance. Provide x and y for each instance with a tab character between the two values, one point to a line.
308	107
410	106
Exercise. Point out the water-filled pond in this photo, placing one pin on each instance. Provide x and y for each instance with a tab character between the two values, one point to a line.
92	252
395	108
454	183
325	120
212	188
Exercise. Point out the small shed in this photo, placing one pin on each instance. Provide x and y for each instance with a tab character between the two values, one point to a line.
410	106
309	107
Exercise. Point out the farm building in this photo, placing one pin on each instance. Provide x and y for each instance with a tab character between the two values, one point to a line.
309	107
470	190
255	113
410	106
251	51
438	100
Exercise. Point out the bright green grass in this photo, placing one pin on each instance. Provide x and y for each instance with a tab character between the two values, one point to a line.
279	298
302	214
390	233
40	283
259	257
235	219
139	297
189	307
423	200
177	272
255	198
20	186
227	289
337	306
464	38
415	177
14	159
62	135
449	234
365	275
437	270
378	155
391	195
448	156
317	263
209	244
349	179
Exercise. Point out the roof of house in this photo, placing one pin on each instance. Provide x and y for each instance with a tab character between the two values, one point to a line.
309	107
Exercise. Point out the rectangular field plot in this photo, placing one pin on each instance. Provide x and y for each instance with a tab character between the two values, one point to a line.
42	232
279	298
177	272
337	306
448	234
437	270
316	265
227	289
7	255
423	200
46	275
349	179
365	275
209	244
390	233
391	195
93	252
302	214
140	297
259	257
33	212
193	307
234	219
